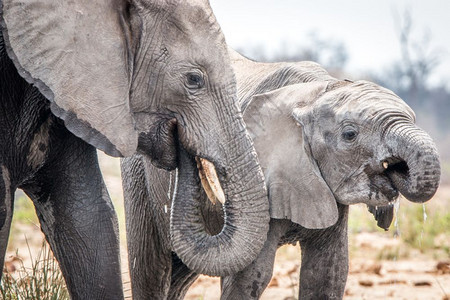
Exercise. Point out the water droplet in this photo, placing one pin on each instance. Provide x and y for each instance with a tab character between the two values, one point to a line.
170	185
425	216
175	188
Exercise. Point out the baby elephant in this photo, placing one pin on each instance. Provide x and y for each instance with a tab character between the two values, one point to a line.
323	144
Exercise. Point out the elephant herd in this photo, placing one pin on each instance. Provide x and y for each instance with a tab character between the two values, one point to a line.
224	159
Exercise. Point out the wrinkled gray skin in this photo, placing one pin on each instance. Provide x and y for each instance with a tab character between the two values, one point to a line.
322	143
121	76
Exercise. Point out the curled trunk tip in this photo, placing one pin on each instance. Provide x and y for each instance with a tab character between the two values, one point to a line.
416	172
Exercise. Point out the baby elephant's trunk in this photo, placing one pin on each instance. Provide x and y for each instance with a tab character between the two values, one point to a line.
414	167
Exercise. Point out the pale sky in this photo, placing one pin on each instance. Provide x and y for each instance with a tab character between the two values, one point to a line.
367	28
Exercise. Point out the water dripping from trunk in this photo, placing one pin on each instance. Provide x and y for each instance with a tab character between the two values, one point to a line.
172	190
175	185
396	223
170	186
396	211
425	216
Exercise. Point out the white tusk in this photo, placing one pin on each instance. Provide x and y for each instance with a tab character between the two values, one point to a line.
210	181
385	164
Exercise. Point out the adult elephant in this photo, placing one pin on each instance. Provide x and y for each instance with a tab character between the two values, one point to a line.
323	144
121	76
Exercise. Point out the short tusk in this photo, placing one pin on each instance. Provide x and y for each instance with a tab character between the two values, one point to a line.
210	181
205	183
385	164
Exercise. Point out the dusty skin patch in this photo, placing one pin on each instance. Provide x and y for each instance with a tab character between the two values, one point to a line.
39	145
5	214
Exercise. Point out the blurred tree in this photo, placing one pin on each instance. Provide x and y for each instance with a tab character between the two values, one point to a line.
331	54
409	76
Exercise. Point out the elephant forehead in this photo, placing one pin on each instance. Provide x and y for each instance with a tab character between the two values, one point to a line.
196	21
189	13
196	39
365	100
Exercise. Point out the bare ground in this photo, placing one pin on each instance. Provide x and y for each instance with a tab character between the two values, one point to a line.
419	278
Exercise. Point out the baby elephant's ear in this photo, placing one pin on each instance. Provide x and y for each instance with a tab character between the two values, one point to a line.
296	188
75	52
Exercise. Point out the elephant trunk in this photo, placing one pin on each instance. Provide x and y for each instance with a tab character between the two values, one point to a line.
414	167
246	211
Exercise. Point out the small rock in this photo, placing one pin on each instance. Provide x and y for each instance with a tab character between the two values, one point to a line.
366	283
10	267
422	283
274	282
10	263
443	267
374	268
294	269
200	280
392	281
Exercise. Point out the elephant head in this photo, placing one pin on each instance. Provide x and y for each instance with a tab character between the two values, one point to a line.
153	77
338	141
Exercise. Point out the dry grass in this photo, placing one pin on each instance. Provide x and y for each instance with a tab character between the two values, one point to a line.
42	281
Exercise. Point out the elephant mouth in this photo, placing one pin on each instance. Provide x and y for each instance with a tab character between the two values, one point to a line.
171	135
398	168
385	182
383	189
163	141
382	184
209	175
384	213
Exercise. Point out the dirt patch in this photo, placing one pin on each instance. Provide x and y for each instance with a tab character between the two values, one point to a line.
420	278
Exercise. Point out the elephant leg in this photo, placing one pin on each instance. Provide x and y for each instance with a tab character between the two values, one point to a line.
251	282
78	219
324	268
6	211
182	279
147	225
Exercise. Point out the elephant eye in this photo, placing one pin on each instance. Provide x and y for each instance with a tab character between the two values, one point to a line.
349	135
195	81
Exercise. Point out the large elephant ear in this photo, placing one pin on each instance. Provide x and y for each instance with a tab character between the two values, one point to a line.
296	188
75	53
